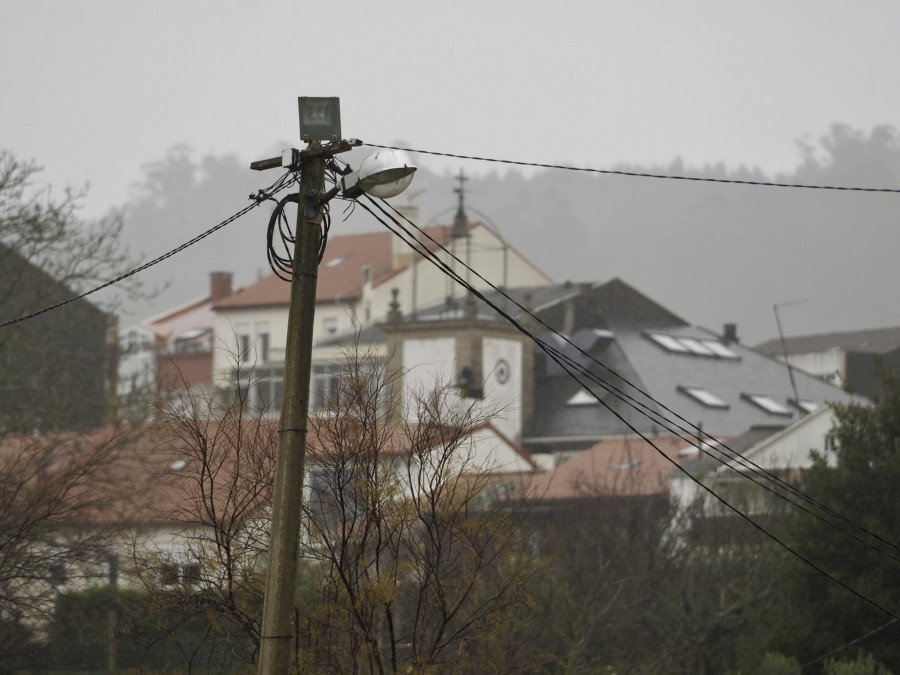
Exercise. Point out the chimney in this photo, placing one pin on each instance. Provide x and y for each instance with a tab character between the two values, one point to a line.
219	286
729	333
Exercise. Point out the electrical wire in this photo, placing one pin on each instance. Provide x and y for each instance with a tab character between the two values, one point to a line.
574	372
848	644
636	174
261	196
282	264
693	436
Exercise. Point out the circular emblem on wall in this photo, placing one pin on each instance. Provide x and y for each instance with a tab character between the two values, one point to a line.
501	371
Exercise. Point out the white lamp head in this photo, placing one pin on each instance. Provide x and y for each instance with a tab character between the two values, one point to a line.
385	173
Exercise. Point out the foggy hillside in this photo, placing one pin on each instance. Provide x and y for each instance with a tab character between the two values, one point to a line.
711	253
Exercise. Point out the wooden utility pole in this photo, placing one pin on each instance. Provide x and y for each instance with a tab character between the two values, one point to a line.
278	607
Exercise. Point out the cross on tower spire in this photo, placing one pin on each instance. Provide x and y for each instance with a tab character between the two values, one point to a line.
460	221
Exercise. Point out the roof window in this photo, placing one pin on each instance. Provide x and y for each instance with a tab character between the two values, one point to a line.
337	261
805	405
583	397
767	403
690	345
704	396
669	342
696	346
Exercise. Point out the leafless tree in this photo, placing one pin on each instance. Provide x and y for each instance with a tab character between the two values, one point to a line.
55	493
402	567
202	552
414	569
45	229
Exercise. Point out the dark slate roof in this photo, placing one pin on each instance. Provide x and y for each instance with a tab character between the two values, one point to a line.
592	303
554	417
600	305
614	322
875	341
634	356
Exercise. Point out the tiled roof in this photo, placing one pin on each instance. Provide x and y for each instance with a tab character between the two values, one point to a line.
616	467
875	341
148	475
340	272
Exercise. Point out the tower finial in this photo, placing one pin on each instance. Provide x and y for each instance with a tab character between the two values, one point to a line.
460	221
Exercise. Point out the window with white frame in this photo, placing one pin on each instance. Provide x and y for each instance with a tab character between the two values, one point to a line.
804	405
323	385
329	326
704	396
242	336
582	397
261	388
693	345
262	341
767	403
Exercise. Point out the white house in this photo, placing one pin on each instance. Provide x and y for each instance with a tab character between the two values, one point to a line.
738	468
361	277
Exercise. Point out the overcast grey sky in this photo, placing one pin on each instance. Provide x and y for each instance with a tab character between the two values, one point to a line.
94	89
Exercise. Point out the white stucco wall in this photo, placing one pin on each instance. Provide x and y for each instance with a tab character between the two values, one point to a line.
230	325
790	449
433	286
427	364
829	365
502	369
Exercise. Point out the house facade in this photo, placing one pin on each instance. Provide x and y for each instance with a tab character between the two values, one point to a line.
750	472
172	351
852	360
57	369
361	278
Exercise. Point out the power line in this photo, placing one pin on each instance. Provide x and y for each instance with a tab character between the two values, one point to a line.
849	644
693	436
571	371
636	174
280	184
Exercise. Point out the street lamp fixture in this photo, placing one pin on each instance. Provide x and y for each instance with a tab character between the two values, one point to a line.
384	174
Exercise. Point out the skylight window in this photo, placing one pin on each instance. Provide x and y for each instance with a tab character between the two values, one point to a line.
669	342
696	346
582	398
704	396
690	345
337	261
805	405
767	403
178	465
